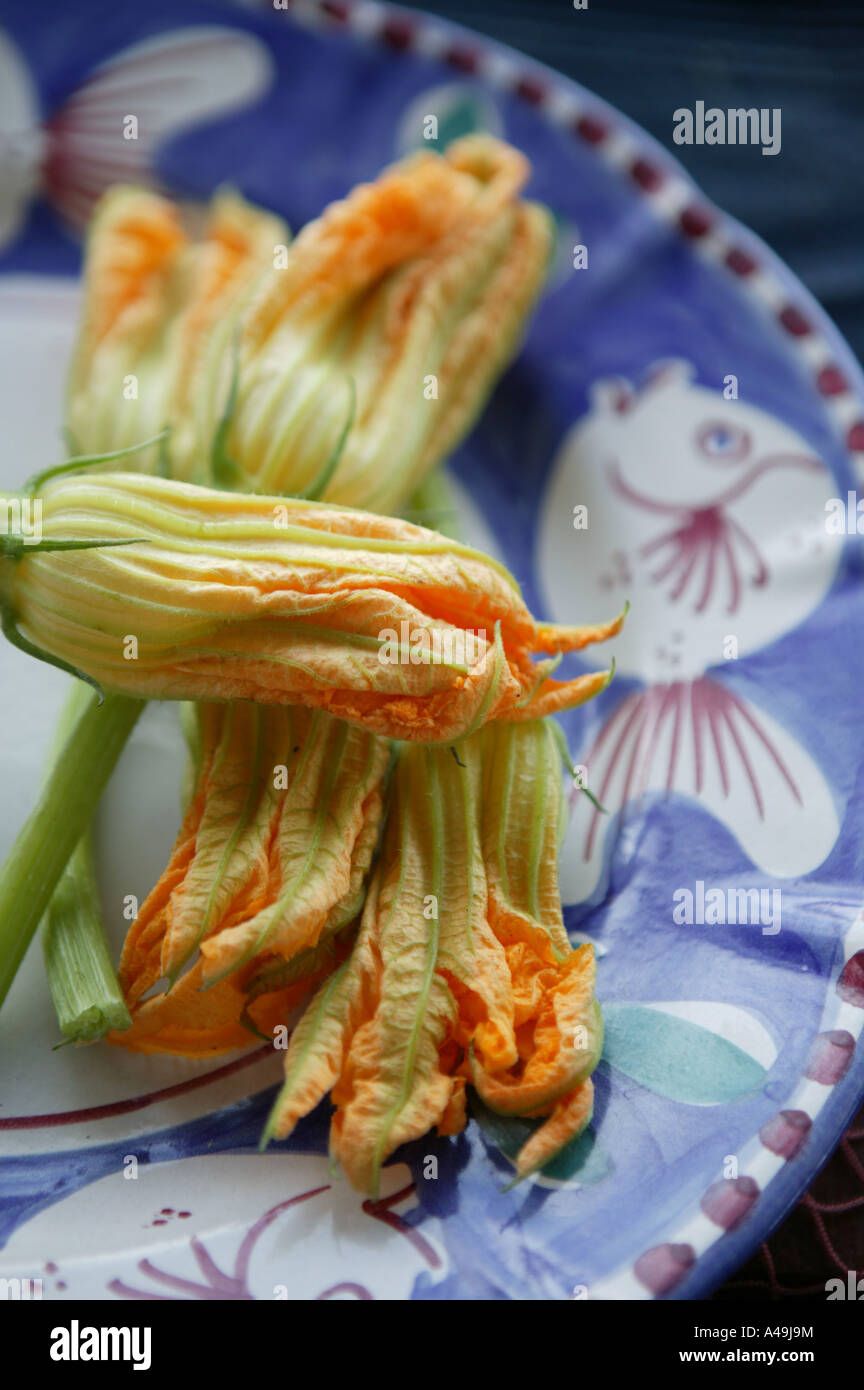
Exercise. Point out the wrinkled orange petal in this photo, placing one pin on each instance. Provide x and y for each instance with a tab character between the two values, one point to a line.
462	969
190	1021
571	1115
383	624
260	874
565	1045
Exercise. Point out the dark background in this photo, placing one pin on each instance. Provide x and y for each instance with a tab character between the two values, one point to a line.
807	202
648	58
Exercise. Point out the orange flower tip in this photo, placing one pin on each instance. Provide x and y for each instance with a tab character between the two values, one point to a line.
618	622
543	672
555	637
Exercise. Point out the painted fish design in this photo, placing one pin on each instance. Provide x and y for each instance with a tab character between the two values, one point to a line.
168	84
709	514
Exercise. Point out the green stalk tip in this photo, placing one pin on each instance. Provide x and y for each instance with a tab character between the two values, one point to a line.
35	864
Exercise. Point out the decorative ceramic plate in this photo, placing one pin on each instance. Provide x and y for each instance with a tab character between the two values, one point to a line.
674	432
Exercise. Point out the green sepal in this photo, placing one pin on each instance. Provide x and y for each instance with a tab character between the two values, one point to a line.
561	740
225	470
72	465
11	633
163	463
248	1023
542	671
15	547
318	486
499	658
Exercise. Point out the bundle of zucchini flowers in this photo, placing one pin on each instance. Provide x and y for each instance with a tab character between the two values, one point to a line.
375	796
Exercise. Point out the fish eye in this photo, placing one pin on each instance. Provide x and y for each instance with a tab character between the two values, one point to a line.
722	442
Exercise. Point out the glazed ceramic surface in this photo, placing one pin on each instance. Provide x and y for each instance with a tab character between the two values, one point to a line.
673	433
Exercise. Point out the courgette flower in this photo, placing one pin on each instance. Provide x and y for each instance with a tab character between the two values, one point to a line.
151	300
462	971
382	623
269	865
394	312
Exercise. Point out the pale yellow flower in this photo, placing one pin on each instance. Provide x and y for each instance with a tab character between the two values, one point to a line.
227	596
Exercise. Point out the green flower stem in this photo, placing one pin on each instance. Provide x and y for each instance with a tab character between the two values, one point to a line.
62	815
83	983
87	997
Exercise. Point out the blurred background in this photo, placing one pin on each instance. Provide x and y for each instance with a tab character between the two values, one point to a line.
649	58
807	202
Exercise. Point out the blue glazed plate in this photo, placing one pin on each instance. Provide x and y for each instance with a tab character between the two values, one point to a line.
675	432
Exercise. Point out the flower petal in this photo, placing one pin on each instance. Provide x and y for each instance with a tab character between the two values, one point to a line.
240	597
